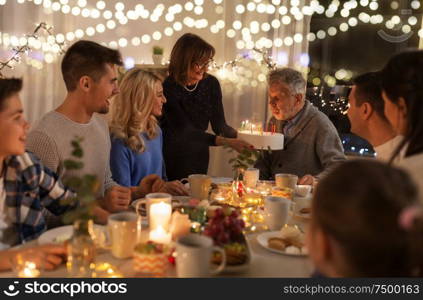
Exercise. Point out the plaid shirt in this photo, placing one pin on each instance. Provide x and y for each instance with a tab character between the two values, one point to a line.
31	187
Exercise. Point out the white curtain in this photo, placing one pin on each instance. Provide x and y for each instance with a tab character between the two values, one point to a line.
44	89
251	101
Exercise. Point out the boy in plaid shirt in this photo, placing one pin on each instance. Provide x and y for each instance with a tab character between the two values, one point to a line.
26	186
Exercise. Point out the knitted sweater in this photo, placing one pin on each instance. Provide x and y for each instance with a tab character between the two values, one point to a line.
311	147
51	137
129	168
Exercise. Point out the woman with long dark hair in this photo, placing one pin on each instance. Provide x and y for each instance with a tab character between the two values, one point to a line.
402	83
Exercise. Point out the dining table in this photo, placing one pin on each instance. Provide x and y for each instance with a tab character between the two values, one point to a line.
263	263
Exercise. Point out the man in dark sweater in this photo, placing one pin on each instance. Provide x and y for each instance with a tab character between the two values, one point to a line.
312	144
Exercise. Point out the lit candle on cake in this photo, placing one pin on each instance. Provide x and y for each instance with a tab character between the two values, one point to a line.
252	132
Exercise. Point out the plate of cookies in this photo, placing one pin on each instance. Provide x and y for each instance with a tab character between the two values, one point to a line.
288	241
303	214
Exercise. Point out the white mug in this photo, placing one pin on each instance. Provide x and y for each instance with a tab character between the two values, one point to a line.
286	180
302	202
276	212
124	232
251	176
199	185
193	255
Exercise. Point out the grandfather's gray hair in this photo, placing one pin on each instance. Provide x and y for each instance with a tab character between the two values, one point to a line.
290	77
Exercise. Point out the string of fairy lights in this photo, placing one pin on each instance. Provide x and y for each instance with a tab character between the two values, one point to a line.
248	36
24	47
113	14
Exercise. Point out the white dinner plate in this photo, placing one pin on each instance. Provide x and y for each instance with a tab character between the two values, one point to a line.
63	233
302	216
220	180
181	199
215	180
176	200
265	236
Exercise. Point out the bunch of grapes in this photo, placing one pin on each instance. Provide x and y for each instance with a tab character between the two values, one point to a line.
225	226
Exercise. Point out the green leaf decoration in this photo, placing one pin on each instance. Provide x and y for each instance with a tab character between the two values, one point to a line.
245	159
269	149
85	186
73	182
73	165
68	201
78	153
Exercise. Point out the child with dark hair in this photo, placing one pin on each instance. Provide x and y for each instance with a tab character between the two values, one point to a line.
26	186
402	84
366	222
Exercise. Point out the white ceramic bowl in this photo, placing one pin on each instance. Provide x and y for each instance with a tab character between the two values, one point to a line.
302	190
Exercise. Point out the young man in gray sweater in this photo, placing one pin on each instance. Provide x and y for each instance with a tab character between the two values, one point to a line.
312	144
89	72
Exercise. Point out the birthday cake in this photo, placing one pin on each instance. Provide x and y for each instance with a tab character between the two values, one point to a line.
252	132
262	140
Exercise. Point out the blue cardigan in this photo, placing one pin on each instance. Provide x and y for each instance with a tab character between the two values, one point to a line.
129	168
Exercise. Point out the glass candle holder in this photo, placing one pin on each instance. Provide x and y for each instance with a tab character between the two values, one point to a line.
81	249
251	176
253	199
221	195
264	187
180	225
160	235
28	263
105	270
283	192
253	218
159	210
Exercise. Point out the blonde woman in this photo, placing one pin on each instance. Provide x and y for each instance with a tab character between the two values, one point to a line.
136	136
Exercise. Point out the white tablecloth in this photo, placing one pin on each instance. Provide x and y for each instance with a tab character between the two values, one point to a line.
263	264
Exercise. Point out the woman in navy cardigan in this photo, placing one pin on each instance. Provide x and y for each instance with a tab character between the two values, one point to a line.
194	101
